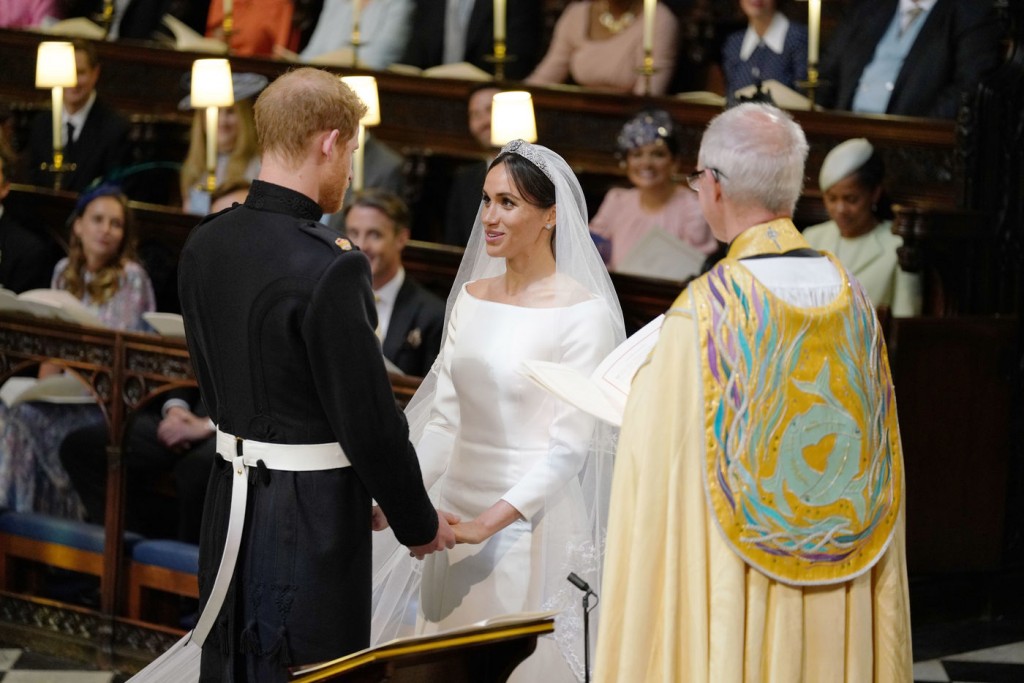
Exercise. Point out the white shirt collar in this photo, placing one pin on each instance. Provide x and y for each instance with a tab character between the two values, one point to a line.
78	118
926	5
389	290
774	37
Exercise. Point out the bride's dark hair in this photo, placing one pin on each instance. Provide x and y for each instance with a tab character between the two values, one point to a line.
534	185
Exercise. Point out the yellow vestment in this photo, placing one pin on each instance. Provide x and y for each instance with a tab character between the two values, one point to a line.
681	601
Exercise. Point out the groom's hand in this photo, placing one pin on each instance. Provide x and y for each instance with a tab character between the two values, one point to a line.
444	540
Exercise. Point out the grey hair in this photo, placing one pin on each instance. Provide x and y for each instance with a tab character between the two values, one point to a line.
760	152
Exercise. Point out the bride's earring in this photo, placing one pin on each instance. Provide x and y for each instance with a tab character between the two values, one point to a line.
549	226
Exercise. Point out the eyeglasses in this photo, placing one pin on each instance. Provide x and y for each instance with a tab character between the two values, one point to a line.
693	180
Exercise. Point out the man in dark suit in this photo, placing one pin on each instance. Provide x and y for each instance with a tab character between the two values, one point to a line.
94	136
410	318
469	36
173	436
468	179
279	319
952	44
26	258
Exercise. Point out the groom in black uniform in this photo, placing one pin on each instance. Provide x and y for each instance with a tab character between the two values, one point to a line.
280	319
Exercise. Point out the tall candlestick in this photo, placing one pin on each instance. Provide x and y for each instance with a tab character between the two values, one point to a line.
57	98
499	21
813	30
649	7
211	148
358	163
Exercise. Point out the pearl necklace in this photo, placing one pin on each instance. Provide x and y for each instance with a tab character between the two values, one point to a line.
613	24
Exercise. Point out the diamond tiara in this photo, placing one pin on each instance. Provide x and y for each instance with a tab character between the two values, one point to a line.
528	152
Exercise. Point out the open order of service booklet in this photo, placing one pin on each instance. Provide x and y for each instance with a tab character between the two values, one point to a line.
604	392
49	304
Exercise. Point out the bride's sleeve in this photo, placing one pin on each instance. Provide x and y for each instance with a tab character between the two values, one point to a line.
434	448
585	344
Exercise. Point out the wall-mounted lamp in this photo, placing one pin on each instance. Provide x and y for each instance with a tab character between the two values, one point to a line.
365	88
211	89
55	69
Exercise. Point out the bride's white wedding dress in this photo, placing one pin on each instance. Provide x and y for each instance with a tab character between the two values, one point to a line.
493	434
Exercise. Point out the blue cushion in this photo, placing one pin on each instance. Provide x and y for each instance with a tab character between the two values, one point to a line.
174	555
40	527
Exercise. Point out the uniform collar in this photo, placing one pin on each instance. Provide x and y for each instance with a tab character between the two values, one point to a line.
264	196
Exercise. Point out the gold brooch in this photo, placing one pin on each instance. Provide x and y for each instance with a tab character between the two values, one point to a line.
343	243
415	338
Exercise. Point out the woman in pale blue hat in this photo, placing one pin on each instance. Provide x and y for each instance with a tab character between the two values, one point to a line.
860	232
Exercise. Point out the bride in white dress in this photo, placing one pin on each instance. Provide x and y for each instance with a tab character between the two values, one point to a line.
525	473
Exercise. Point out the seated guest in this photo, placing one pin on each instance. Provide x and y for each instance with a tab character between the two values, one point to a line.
102	272
258	26
909	57
237	151
26	258
464	193
650	153
384	28
451	31
27	13
860	232
94	136
172	436
599	44
770	48
410	319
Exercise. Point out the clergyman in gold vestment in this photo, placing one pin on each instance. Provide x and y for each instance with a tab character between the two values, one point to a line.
756	529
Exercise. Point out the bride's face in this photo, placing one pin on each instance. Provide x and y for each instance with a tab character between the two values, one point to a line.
512	226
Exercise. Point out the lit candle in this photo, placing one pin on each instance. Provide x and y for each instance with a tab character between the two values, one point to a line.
211	140
358	160
813	30
228	7
649	7
499	21
357	8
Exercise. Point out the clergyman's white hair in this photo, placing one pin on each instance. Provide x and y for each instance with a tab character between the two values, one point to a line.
759	152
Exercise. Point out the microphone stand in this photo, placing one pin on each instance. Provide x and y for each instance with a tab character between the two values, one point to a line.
585	587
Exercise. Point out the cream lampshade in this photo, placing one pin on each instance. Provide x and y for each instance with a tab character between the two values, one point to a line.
211	89
55	65
365	88
512	117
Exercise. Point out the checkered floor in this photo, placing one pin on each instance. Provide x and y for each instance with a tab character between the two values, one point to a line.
999	664
21	666
1004	663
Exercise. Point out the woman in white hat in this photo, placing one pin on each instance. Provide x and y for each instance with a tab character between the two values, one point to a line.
860	232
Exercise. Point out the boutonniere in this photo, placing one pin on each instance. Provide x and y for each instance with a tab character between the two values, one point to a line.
415	338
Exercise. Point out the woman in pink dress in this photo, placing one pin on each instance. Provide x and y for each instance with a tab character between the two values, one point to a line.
650	154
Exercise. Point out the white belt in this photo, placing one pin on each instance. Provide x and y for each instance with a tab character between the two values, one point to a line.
243	454
281	456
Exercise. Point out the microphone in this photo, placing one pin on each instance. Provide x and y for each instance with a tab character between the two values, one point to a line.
578	582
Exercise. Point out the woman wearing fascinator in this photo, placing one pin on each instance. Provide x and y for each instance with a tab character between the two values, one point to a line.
650	154
525	473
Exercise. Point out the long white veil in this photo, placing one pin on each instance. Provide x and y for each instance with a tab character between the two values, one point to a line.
396	577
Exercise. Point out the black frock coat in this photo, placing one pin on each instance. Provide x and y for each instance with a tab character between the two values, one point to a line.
280	319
